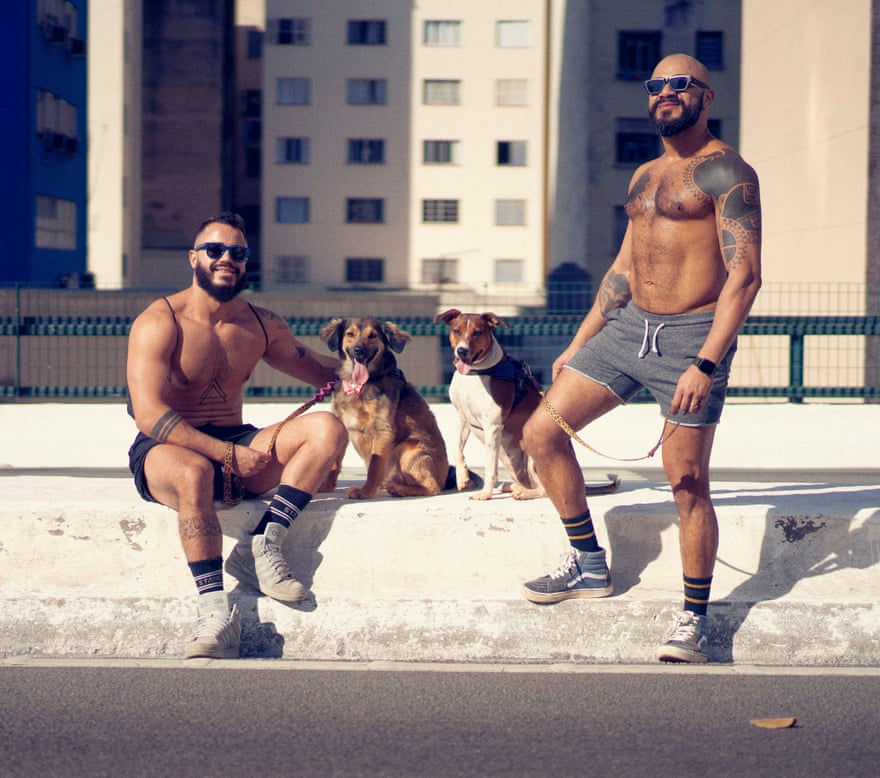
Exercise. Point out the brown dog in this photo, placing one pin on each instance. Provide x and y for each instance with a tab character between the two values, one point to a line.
389	422
494	395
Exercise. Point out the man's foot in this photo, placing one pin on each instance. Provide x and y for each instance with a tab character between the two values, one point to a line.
580	574
258	562
686	640
217	636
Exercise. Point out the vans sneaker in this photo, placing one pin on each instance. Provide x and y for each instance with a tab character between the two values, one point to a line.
258	562
686	640
580	574
217	635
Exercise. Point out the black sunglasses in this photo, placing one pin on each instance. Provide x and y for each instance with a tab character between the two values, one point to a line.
217	250
676	84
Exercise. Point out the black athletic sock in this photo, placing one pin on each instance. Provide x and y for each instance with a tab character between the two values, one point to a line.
286	505
580	533
696	594
208	575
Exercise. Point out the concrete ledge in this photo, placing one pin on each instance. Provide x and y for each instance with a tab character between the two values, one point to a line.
87	568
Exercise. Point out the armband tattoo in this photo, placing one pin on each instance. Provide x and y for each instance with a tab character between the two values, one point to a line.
165	426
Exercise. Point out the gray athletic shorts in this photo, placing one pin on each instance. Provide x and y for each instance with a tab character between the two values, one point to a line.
637	349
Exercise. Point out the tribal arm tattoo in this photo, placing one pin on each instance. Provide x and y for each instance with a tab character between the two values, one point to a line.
734	184
163	428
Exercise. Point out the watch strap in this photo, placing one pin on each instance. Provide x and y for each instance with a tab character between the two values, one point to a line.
706	366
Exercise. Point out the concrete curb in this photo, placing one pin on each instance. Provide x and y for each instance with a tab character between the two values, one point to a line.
88	569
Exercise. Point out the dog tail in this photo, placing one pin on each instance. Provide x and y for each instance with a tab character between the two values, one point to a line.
476	481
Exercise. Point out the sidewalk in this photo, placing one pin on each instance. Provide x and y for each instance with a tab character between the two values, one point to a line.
87	568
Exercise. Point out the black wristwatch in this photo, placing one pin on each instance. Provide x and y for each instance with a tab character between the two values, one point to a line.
706	366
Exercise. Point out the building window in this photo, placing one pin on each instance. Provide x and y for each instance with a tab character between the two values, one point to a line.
292	210
509	271
292	269
366	151
364	270
636	142
439	210
511	152
366	91
442	33
57	122
293	32
510	213
364	210
443	270
293	151
294	91
620	223
637	53
511	91
366	32
512	34
441	92
55	225
255	44
709	48
440	152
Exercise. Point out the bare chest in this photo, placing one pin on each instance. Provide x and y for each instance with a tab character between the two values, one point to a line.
218	359
668	192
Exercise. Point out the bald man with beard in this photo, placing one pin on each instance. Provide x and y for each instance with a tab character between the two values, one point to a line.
666	317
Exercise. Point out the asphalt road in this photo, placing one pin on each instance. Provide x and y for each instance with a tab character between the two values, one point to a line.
249	718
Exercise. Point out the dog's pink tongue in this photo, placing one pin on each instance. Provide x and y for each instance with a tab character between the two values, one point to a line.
462	367
360	375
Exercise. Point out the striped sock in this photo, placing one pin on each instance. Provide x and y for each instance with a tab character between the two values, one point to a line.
286	505
580	532
208	575
696	594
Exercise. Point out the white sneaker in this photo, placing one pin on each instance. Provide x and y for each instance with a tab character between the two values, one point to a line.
217	635
258	562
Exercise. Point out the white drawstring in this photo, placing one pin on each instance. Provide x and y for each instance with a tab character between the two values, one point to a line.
654	346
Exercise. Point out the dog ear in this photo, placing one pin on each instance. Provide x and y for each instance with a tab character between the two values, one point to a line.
494	321
395	336
331	334
447	316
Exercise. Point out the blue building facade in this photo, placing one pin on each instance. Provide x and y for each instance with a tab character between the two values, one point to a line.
43	170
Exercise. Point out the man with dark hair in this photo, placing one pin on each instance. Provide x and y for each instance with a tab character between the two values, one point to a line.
666	317
189	357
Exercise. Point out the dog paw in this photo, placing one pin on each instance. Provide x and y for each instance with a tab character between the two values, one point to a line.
358	493
482	496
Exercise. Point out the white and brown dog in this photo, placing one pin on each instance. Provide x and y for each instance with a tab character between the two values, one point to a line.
494	395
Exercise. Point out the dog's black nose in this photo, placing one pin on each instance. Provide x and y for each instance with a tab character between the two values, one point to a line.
462	351
359	352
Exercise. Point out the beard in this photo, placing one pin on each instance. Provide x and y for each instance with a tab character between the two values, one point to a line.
667	127
220	292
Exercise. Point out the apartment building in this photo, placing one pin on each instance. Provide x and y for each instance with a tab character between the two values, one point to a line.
42	142
465	147
404	145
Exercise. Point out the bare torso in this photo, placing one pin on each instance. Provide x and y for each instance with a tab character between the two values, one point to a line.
211	362
677	262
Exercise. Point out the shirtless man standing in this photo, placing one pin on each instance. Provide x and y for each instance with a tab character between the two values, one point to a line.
666	317
189	358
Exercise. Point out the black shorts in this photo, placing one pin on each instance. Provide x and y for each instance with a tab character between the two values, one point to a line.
241	434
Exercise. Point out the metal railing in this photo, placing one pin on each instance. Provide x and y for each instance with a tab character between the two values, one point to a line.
788	357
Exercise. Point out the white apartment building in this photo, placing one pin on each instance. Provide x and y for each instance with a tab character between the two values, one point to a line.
404	145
